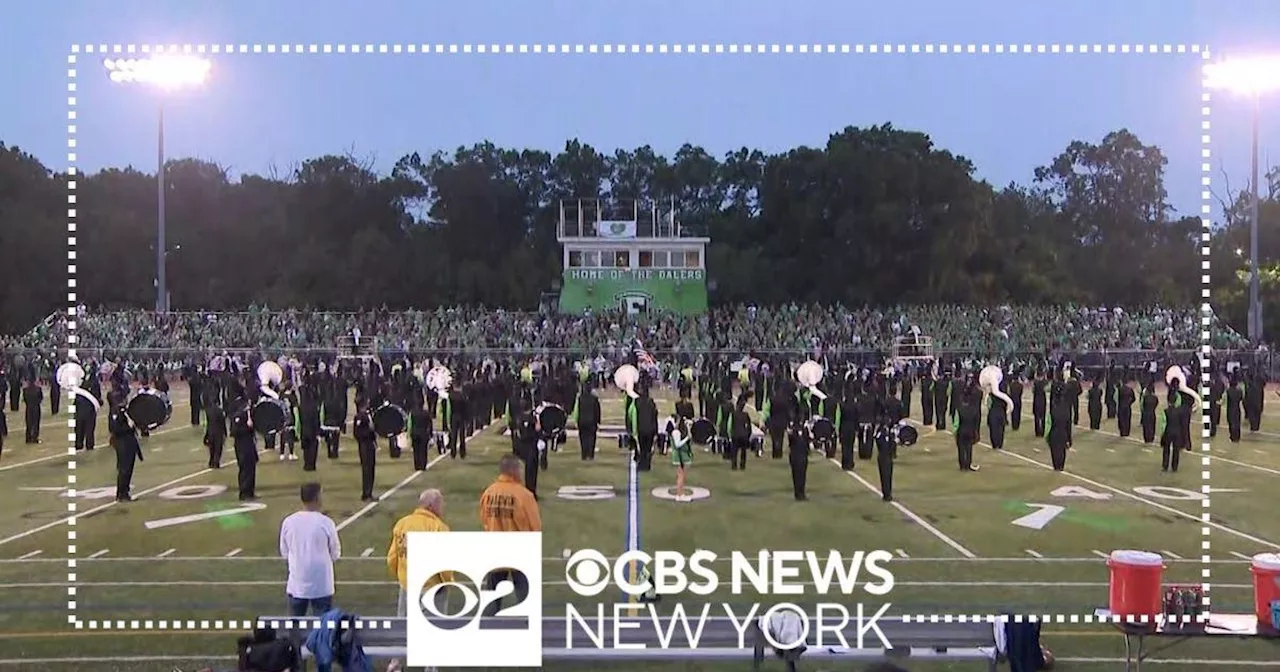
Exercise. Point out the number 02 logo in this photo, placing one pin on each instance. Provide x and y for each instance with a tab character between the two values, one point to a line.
484	601
478	599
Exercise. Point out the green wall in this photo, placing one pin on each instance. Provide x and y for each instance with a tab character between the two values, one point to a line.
682	291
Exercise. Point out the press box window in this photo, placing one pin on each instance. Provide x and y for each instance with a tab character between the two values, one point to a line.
575	259
691	258
621	259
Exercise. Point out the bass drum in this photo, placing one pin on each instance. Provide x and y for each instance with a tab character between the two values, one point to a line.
268	415
702	431
390	420
552	419
822	429
149	409
907	435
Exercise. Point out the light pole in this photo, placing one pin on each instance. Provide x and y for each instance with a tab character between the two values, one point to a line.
166	72
1252	77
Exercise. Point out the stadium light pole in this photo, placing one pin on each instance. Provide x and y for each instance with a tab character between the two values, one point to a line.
1252	77
167	72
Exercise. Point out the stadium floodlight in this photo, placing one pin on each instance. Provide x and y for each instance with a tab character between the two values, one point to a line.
1253	77
164	71
167	72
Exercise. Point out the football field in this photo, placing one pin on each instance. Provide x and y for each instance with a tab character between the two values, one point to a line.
1014	537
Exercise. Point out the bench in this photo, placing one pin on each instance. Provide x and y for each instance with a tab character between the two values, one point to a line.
385	638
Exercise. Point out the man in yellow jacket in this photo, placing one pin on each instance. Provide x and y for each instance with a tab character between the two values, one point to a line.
427	517
508	506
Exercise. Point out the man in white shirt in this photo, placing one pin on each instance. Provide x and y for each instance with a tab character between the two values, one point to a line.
309	541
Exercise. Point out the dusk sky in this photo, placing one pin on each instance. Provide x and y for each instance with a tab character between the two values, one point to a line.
1008	113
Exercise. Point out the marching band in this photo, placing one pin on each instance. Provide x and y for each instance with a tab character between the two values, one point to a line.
858	415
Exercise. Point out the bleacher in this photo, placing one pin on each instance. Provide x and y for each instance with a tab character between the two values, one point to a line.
384	638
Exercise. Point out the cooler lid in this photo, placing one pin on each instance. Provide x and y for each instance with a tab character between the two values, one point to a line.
1267	561
1137	558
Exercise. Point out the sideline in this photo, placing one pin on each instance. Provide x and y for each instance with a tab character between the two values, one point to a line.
908	513
64	452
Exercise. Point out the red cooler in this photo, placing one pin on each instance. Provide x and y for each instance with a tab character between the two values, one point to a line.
1266	585
1136	582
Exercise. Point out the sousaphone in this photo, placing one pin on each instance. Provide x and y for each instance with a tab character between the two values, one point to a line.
1176	379
70	377
269	414
989	380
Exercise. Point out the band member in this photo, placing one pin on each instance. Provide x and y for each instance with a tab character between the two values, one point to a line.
740	439
586	417
777	416
194	375
866	412
366	447
1150	402
15	387
941	395
215	431
246	447
927	385
309	427
1173	438
1039	407
4	424
886	453
453	408
1015	393
55	393
1125	397
905	399
798	456
86	418
32	398
524	430
968	419
681	455
1058	434
1074	390
289	433
1111	383
1235	403
124	438
642	422
848	427
1216	390
334	416
997	416
1094	402
1253	396
420	433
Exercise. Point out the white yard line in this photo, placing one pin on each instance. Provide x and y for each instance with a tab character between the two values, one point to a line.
101	553
406	481
1129	495
366	553
907	512
1100	554
167	553
64	452
32	554
1171	554
1242	556
1034	554
233	553
104	507
901	553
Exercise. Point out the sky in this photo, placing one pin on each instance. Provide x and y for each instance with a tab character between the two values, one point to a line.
1007	113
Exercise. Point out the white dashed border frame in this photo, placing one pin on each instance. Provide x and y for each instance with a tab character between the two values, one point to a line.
687	49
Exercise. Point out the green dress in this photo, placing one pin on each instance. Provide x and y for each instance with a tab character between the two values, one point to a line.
682	451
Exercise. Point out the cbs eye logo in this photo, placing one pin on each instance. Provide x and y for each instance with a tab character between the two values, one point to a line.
588	573
474	601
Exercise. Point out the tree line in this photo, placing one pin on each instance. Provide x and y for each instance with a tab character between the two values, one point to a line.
877	216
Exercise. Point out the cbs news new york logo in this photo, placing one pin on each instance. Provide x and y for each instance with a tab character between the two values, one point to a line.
493	585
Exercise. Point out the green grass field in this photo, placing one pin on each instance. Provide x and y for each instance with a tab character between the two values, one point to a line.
958	551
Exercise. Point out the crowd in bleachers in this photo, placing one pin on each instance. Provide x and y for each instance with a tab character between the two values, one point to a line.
998	330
